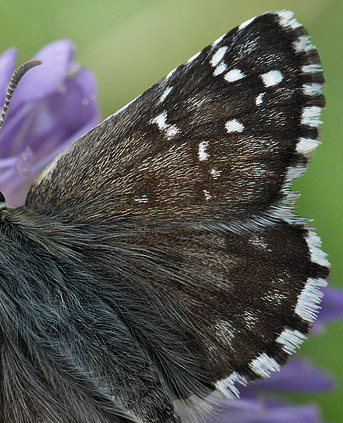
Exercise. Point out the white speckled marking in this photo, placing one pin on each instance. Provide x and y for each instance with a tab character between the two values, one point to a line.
207	194
308	300
312	89
303	43
218	56
161	121
246	23
314	244
259	243
202	154
165	93
215	173
227	387
224	330
234	75
310	116
294	172
271	78
263	365
290	339
250	319
306	145
286	19
312	68
259	99
143	199
220	69
275	297
234	126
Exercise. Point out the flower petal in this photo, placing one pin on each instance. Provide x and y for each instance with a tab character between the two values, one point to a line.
297	375
77	105
15	131
53	109
18	173
332	304
7	65
49	77
268	412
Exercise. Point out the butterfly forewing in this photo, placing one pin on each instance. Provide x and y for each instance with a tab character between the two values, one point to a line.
211	142
190	182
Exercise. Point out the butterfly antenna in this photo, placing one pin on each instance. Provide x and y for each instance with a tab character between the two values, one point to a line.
14	81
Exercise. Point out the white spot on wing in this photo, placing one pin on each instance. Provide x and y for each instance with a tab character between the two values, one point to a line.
165	93
294	172
207	194
250	319
203	155
259	99
143	199
161	121
303	44
312	68
317	255
310	116
227	387
312	89
271	78
172	130
308	300
286	19
218	56
216	173
306	145
220	69
234	75
263	365
234	126
290	339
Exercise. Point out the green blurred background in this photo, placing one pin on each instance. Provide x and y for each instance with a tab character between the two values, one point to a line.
132	44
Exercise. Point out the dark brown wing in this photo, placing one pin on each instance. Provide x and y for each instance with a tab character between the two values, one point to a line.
190	182
214	142
247	300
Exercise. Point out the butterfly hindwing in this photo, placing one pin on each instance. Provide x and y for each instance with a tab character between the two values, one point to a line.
241	297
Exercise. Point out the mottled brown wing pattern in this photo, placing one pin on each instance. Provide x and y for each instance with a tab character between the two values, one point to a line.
191	182
251	299
214	141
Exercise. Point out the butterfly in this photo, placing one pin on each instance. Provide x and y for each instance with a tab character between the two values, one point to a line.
158	258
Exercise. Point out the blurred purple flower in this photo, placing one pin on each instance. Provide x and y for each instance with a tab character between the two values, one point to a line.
53	105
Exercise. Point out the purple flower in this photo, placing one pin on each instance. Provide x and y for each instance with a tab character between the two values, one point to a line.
53	105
